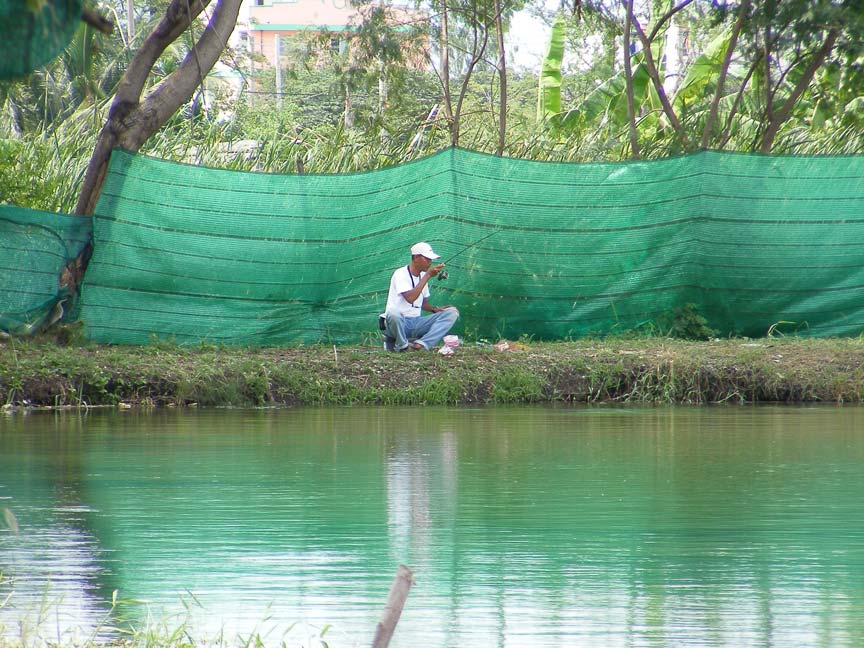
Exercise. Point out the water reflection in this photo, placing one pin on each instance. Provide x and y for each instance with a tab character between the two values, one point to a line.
524	526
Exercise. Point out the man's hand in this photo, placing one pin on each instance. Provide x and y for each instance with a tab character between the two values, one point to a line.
434	270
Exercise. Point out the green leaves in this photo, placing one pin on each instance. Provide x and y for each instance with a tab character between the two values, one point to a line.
549	90
702	74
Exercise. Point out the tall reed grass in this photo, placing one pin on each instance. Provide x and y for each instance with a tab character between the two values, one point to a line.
44	169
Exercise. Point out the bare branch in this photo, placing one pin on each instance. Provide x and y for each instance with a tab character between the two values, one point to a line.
782	114
666	17
628	80
502	76
766	57
96	20
445	70
477	55
724	71
173	23
658	85
726	134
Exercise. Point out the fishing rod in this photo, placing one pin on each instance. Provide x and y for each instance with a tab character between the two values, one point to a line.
444	274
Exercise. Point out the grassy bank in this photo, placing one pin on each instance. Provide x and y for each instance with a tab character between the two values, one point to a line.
47	373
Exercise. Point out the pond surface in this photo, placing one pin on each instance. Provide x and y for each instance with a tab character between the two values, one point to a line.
714	526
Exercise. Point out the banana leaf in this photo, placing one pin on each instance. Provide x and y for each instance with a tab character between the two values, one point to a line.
702	74
608	101
549	87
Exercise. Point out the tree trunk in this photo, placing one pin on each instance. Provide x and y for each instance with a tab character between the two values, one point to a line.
724	71
502	78
478	49
672	69
654	73
383	89
130	22
277	56
628	80
445	73
132	121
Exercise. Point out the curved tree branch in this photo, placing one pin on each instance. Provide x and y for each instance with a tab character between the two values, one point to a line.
130	123
666	17
779	117
180	85
477	52
727	129
175	21
96	20
654	74
724	71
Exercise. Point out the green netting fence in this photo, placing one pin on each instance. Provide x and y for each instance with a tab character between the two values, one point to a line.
35	247
32	33
202	255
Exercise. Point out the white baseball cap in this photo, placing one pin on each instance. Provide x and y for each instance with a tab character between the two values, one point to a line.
424	249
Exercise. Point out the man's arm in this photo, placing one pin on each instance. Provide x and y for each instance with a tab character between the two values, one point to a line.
412	295
434	309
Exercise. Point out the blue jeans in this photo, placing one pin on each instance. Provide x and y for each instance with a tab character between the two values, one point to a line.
428	330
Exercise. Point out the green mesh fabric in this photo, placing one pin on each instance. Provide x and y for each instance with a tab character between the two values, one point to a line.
32	32
195	254
35	246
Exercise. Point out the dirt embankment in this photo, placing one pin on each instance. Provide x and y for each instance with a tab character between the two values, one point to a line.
44	373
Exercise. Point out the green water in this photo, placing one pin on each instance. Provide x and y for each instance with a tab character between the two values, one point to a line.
524	526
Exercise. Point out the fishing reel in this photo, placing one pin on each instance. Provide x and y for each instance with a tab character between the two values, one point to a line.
443	275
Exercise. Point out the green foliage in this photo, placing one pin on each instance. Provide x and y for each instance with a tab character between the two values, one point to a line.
549	92
49	121
57	159
515	386
681	323
791	34
314	98
685	323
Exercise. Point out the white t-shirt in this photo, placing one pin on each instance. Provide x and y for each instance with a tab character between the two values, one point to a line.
403	281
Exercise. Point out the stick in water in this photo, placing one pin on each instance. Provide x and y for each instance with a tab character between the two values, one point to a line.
393	610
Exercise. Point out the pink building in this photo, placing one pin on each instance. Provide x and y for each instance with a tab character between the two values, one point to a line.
269	19
272	19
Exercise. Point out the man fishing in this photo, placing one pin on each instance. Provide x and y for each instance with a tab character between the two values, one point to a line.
403	325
